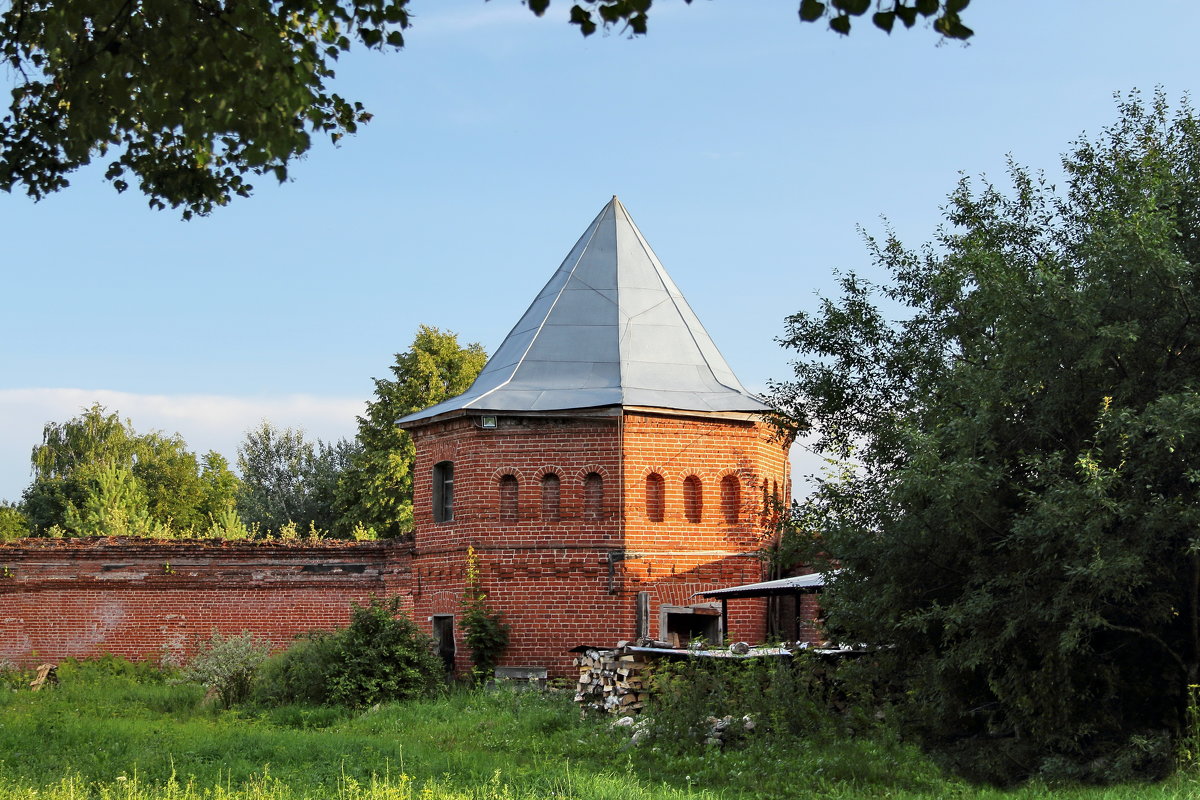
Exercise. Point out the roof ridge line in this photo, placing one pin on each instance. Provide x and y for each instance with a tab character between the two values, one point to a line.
517	366
660	271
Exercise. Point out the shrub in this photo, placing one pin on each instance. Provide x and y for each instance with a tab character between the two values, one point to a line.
801	696
300	674
226	665
381	656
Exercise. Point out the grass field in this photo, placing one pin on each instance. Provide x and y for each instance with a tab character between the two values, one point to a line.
115	731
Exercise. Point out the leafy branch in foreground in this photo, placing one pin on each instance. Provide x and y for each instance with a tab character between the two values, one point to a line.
188	98
189	101
591	15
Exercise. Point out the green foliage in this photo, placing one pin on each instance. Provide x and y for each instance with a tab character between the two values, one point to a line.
226	665
302	673
14	524
114	503
13	678
186	99
219	485
1189	741
176	490
377	487
288	479
107	734
484	630
191	124
802	696
590	15
94	475
1021	529
381	656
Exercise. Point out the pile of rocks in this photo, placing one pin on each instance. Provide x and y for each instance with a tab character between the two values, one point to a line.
723	729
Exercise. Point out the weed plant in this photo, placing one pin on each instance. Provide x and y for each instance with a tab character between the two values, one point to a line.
227	664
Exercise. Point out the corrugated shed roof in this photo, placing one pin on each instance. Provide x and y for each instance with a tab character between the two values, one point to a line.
799	583
610	328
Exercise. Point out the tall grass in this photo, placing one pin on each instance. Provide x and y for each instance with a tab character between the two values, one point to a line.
115	732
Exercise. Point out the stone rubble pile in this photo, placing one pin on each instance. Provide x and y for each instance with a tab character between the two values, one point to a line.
723	728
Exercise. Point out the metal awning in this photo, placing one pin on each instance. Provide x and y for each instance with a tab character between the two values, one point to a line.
795	585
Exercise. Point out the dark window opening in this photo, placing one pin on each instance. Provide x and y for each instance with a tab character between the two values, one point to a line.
551	485
593	496
443	638
443	491
731	499
683	625
693	499
654	497
508	498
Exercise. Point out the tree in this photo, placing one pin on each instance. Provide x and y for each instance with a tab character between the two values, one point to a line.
484	630
1019	534
95	475
287	479
378	484
219	486
114	504
190	100
61	463
14	524
175	490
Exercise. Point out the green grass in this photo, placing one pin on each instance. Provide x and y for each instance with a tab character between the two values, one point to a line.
116	732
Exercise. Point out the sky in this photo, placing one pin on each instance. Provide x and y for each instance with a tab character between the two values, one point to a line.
753	151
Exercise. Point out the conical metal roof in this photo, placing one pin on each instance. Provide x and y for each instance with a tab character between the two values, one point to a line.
609	329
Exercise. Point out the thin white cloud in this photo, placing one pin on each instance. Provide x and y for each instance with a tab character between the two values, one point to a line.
206	422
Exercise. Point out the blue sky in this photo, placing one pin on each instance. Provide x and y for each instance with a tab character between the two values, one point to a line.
748	147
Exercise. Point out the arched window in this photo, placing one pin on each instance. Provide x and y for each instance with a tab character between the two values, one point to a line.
593	496
693	499
509	490
731	499
551	484
655	499
443	491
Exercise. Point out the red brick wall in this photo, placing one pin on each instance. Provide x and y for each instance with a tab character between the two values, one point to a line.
573	578
713	552
562	577
151	600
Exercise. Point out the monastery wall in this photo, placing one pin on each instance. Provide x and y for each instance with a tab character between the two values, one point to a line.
139	599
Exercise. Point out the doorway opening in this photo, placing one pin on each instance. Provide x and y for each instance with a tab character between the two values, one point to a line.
443	638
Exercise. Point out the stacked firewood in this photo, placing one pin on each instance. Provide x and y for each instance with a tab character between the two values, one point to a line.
613	681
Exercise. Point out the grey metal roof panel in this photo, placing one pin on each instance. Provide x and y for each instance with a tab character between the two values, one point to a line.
610	327
799	583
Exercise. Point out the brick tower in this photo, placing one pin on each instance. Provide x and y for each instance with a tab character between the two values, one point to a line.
606	465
